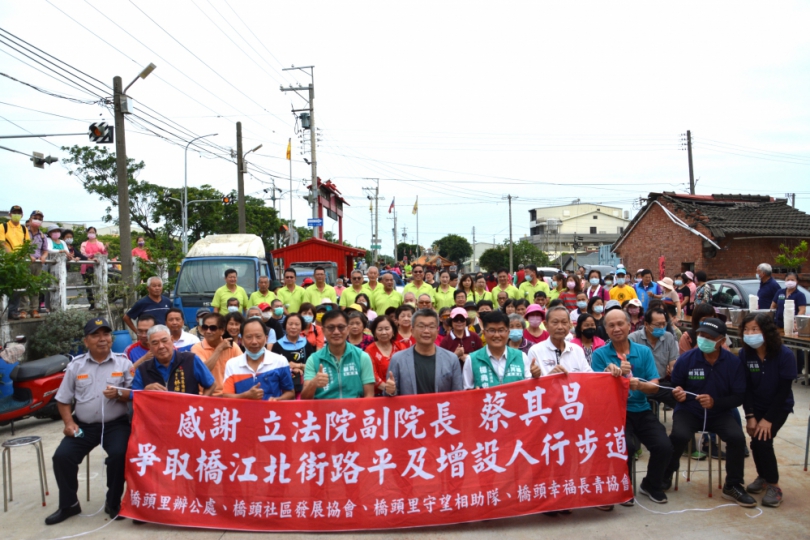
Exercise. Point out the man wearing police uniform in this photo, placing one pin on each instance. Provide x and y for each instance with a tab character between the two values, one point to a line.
90	381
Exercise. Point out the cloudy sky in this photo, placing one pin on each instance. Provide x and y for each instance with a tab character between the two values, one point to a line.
458	103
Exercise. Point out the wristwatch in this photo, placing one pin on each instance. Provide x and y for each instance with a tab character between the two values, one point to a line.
120	393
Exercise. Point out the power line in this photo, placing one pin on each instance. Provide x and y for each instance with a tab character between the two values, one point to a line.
25	130
41	112
52	94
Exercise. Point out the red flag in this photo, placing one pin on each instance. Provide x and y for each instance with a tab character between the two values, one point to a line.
391	208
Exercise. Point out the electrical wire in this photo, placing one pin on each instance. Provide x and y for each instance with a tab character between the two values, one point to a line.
46	92
29	132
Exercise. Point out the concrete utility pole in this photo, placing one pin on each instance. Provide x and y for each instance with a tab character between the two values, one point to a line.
691	171
124	231
309	123
472	266
511	245
240	179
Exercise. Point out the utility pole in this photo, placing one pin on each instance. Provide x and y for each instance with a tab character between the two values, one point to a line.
308	122
395	233
792	198
511	245
691	171
472	267
240	179
124	232
375	208
289	158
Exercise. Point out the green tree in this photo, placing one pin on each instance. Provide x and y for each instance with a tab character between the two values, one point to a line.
494	258
524	252
453	247
15	273
405	249
792	258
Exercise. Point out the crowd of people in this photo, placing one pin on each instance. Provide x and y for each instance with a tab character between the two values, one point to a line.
287	341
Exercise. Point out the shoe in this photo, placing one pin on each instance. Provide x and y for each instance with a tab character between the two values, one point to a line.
639	452
756	486
22	315
714	452
738	495
605	508
655	495
666	483
14	316
138	522
62	514
630	502
698	456
773	497
35	314
747	452
565	512
113	512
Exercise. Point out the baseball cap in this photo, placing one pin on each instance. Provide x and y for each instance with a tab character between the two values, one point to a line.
275	284
621	271
458	312
534	308
712	327
93	325
612	304
16	209
355	307
264	306
36	213
307	281
635	302
471	305
690	275
201	312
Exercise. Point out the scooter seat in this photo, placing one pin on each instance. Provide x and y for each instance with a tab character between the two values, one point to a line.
36	369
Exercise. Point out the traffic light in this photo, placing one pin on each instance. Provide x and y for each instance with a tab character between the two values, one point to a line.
40	160
101	133
228	200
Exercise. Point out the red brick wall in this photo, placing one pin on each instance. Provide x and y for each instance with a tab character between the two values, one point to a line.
656	235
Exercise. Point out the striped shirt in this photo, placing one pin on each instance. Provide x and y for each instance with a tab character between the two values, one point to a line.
273	375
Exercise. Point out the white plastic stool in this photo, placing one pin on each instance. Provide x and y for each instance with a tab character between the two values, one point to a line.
43	479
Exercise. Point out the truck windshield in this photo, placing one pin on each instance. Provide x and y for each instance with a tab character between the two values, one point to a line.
207	275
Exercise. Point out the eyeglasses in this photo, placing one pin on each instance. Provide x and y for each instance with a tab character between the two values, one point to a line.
357	278
460	320
418	272
423	327
209	328
336	328
495	331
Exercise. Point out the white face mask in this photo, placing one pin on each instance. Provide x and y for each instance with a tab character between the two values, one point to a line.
790	284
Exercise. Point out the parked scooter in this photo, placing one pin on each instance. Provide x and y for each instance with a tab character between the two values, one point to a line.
29	388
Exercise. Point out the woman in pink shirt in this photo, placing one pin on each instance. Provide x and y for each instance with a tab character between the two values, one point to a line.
90	249
586	337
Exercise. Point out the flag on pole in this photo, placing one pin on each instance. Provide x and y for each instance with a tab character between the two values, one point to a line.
391	208
289	149
416	205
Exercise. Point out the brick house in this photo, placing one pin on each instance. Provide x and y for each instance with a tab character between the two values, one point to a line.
726	236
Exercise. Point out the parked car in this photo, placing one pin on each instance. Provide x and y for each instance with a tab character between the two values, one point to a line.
733	293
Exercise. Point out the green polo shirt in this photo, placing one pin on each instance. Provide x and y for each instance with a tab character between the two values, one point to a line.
443	299
346	378
348	296
315	297
381	301
259	298
528	290
426	288
292	300
510	290
223	294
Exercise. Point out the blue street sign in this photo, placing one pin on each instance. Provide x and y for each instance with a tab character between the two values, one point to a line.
315	222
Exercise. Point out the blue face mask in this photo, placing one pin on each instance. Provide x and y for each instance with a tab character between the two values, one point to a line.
553	284
658	333
620	281
256	355
754	340
598	309
594	281
582	304
278	312
308	319
515	334
678	282
233	309
608	283
706	345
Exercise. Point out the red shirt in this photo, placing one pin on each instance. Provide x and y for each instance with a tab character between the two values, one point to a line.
405	343
380	363
569	300
531	339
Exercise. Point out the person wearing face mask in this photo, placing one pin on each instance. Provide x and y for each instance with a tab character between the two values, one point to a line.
790	292
258	373
664	348
517	339
582	306
595	287
39	241
311	331
570	293
265	313
364	302
460	340
199	317
557	287
609	281
622	291
596	308
409	299
295	348
716	382
232	305
770	369
13	234
535	331
585	335
633	308
140	250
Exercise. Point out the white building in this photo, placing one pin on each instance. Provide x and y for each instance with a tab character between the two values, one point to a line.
554	228
472	263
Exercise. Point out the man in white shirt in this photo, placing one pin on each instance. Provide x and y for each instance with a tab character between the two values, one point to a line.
183	341
555	354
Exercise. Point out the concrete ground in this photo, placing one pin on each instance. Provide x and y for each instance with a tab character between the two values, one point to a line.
25	517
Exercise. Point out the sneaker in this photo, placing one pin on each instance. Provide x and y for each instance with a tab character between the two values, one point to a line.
639	452
773	497
35	314
698	456
655	495
756	486
747	452
738	495
605	508
630	502
666	483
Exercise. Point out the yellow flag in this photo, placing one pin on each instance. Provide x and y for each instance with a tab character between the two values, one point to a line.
416	206
289	149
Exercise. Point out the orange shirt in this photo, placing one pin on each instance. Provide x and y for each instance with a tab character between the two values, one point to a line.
314	336
204	351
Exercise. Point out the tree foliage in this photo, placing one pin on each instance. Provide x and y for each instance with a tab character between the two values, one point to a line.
792	258
410	250
453	247
523	252
15	273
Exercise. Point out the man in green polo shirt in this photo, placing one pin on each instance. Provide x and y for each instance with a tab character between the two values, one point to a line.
228	291
504	285
291	294
340	370
532	284
418	285
264	295
349	294
320	289
386	296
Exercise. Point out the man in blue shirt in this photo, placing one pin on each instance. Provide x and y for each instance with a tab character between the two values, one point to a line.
768	287
154	304
637	363
647	289
709	383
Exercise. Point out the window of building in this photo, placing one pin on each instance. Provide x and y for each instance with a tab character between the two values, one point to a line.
595	216
593	230
620	230
532	215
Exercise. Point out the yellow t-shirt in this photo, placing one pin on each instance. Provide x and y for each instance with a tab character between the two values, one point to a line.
15	236
442	299
622	293
257	298
510	290
223	294
528	290
292	300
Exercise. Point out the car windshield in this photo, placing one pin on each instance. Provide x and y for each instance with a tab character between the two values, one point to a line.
750	287
207	275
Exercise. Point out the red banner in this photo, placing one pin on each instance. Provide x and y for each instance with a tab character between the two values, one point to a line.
538	445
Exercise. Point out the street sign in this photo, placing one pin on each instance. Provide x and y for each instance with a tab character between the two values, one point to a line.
376	246
315	222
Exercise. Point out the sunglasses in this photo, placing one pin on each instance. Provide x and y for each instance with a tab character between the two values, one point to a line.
209	328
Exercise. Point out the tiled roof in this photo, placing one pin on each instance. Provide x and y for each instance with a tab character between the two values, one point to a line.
733	215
